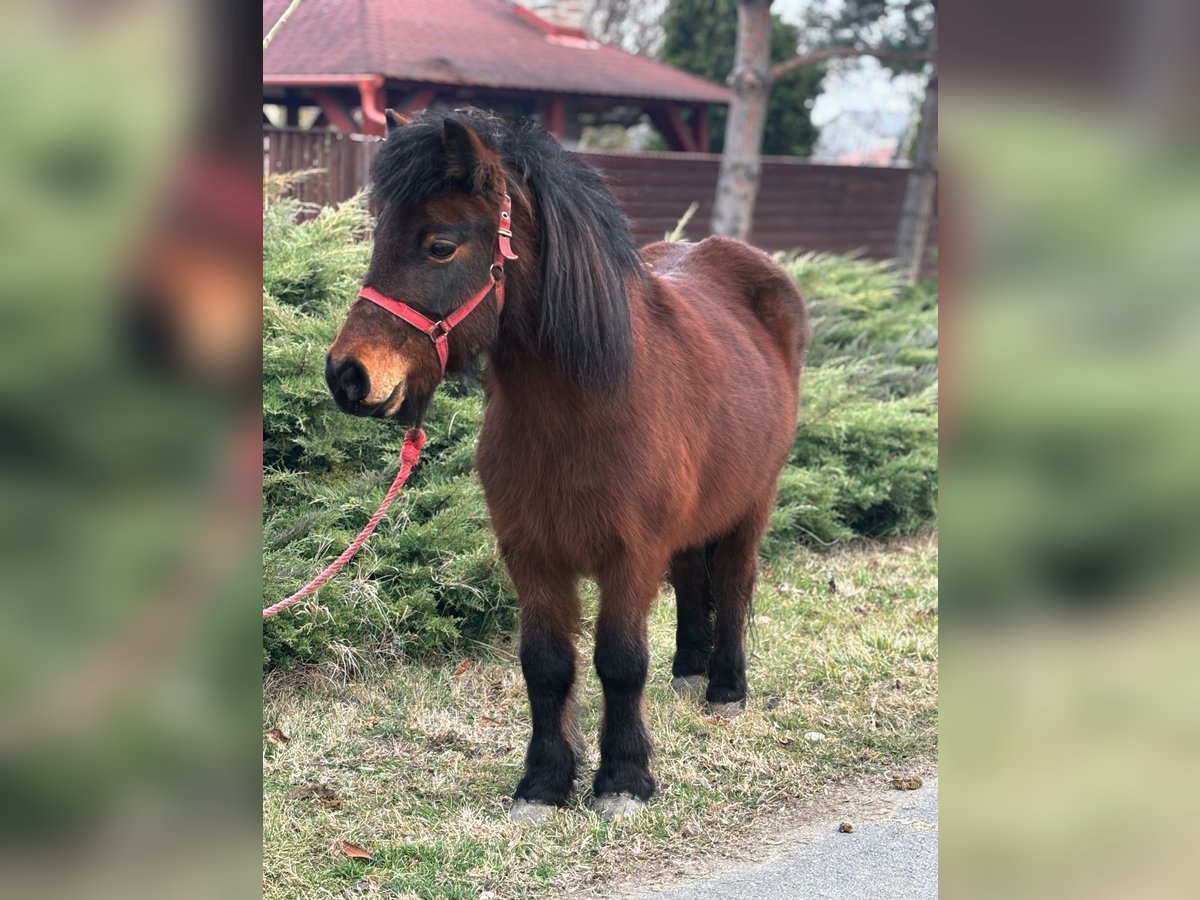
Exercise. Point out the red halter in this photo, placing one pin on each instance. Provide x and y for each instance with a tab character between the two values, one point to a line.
439	331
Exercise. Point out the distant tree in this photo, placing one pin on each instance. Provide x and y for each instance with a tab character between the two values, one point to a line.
895	31
917	208
632	25
903	35
754	76
701	37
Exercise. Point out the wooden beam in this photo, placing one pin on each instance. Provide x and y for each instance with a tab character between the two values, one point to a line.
670	124
416	101
554	116
336	112
373	103
700	127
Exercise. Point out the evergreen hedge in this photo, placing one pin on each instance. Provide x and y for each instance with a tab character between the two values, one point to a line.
864	461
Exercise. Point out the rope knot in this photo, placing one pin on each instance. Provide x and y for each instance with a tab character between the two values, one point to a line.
413	442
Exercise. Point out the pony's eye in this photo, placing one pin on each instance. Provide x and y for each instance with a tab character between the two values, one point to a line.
442	249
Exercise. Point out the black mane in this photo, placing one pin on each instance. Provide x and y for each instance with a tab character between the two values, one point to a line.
582	318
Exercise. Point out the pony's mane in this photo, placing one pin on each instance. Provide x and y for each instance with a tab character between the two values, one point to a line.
582	317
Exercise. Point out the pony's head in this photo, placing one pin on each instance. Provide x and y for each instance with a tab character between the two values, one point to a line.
436	194
438	187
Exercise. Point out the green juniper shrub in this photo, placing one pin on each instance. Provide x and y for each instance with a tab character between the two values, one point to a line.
859	314
864	462
860	466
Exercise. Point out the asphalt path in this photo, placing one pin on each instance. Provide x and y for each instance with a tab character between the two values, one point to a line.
889	856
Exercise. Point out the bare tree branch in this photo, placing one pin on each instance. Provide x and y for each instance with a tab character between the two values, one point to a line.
283	18
803	60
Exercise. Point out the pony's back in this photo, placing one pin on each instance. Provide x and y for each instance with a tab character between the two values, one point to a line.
743	279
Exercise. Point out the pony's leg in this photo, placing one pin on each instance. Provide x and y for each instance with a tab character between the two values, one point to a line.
735	565
549	625
623	782
691	576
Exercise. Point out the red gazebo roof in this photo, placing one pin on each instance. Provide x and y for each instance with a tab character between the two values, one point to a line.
485	43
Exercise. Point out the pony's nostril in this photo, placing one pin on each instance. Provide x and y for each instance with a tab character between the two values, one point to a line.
348	380
353	380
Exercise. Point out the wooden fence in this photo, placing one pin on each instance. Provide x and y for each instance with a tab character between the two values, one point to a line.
344	161
801	206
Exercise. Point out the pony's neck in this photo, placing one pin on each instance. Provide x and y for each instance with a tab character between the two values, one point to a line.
516	357
568	298
529	376
522	288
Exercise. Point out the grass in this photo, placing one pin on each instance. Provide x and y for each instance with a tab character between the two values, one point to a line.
421	757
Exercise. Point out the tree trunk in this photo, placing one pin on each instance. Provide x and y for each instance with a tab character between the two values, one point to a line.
916	212
741	158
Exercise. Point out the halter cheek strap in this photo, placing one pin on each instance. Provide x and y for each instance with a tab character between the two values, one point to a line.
439	331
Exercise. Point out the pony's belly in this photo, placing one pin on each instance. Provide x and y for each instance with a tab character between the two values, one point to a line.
573	530
734	481
660	483
538	510
555	513
588	528
724	504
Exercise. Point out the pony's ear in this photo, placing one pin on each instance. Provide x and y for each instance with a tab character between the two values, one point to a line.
467	159
394	120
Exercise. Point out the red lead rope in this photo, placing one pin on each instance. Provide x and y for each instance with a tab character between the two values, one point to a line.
409	455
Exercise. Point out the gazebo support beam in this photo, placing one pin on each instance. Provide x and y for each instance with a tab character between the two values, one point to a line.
700	127
416	101
670	124
335	111
374	101
554	116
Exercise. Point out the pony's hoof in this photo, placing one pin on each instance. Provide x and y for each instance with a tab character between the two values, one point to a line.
685	685
530	812
730	710
614	806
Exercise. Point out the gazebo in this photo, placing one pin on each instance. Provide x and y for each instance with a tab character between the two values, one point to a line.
349	60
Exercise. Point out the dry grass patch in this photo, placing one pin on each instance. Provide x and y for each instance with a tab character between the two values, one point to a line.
419	760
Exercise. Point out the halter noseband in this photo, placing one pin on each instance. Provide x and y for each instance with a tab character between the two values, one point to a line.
439	331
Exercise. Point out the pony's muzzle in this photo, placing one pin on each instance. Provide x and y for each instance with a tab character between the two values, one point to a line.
350	384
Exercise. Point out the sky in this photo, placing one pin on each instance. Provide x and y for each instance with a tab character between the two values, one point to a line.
862	105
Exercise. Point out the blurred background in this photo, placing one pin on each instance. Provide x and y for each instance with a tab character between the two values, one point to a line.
1071	512
130	240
